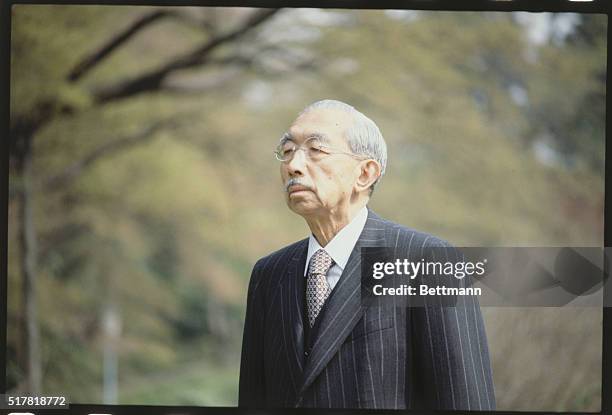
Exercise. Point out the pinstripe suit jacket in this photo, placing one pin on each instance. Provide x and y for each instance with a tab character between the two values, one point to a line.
362	357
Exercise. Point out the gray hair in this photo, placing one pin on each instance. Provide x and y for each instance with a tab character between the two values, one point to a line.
363	136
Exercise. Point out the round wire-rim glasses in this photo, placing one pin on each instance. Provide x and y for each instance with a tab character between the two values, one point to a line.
313	149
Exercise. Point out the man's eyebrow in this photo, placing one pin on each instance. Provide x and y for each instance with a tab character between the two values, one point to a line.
286	137
320	136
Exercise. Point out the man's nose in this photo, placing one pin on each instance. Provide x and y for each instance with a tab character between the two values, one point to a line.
297	165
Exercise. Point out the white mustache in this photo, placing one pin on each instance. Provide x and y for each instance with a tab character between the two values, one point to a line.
294	181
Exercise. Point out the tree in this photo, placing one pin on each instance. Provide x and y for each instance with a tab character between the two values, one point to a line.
26	124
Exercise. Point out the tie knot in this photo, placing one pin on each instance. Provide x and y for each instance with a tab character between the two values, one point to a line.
320	262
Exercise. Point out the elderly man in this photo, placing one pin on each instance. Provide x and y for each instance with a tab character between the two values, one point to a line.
309	340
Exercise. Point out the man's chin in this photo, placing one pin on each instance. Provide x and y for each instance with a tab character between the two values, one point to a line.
301	206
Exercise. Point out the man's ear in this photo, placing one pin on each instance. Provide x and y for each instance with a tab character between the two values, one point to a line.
369	172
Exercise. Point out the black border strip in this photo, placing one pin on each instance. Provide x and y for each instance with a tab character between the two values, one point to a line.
5	79
578	6
196	410
606	367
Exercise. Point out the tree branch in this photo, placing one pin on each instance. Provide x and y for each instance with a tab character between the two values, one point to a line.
71	172
93	59
152	80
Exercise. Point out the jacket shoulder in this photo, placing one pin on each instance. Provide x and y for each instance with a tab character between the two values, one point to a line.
263	271
403	236
282	254
408	242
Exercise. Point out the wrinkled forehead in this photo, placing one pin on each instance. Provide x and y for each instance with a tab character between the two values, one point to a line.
329	125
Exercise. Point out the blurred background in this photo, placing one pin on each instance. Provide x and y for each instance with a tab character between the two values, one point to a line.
143	186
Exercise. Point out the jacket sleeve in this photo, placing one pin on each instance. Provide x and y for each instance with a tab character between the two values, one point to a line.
450	349
251	392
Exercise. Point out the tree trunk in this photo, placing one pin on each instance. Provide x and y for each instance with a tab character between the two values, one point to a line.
111	326
31	339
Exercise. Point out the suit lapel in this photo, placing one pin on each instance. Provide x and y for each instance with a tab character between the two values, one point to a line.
292	296
343	308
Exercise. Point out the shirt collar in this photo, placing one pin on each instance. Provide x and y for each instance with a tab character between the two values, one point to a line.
341	246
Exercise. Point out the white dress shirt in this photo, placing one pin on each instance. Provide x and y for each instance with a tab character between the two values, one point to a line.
340	247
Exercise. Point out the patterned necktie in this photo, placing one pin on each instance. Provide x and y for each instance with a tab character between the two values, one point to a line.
317	287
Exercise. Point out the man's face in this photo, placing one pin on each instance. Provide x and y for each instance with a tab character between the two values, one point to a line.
326	185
